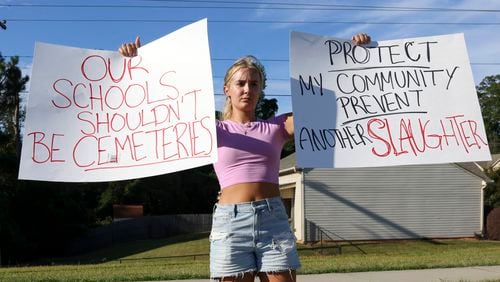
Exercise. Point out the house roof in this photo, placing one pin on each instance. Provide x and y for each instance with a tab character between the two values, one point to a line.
495	159
289	162
475	169
127	211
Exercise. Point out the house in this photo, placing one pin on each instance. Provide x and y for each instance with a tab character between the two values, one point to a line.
124	212
396	202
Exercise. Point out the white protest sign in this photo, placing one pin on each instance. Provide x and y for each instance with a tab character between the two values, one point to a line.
408	101
97	116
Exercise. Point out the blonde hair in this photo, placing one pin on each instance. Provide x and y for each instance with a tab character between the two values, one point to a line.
246	62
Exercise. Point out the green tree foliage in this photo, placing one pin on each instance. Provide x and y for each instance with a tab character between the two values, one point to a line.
288	148
45	216
266	108
12	83
36	218
488	93
189	191
492	191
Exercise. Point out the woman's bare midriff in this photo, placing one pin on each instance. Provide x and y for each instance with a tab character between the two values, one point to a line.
247	192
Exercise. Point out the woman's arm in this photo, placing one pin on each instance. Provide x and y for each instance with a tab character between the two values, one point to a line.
289	124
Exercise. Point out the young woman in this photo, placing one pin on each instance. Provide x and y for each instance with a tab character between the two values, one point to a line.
250	231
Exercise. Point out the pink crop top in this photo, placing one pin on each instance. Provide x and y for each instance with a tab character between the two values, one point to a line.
249	153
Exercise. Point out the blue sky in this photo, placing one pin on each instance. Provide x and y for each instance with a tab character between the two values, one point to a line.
259	27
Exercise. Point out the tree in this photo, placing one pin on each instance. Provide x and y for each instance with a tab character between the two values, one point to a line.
12	83
488	93
492	191
266	108
36	218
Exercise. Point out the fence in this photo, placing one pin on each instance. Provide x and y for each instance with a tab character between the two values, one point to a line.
149	227
318	234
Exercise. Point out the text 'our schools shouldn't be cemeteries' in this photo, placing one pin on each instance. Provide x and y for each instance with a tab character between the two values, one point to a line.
395	102
168	118
99	116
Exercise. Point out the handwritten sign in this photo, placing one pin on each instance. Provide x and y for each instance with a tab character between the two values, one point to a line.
409	101
97	116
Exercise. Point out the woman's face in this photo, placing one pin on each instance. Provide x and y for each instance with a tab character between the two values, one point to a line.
244	90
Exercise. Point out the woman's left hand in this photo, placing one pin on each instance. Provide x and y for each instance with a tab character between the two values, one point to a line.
361	38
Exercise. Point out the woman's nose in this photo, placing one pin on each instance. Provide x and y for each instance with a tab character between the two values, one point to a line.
246	88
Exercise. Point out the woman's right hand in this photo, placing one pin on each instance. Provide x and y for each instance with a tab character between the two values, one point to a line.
130	49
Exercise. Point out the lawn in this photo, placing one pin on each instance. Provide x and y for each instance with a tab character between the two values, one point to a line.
186	257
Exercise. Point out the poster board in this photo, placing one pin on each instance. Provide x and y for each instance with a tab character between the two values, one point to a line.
396	102
98	116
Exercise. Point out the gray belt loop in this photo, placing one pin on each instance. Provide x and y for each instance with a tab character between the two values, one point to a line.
268	205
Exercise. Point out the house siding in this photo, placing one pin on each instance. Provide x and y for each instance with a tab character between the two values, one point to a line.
399	202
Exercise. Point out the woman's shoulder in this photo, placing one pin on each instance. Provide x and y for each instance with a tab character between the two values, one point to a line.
219	123
279	118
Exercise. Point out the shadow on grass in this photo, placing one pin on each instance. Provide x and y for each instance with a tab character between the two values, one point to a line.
367	247
433	241
119	251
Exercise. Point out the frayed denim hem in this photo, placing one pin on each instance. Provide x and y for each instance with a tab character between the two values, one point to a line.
236	276
241	275
280	271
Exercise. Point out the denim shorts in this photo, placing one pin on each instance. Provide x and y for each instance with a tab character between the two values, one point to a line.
251	237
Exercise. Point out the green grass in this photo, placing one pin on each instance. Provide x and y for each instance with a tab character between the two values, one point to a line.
146	260
174	246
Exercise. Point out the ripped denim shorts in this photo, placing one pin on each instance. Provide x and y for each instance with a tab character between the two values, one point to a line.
251	237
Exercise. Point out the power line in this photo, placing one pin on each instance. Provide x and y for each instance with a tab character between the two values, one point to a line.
264	60
215	94
213	59
252	21
300	6
290	6
305	5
